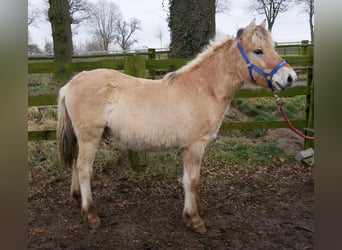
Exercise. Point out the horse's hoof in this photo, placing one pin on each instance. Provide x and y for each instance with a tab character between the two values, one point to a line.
196	224
199	227
91	217
94	222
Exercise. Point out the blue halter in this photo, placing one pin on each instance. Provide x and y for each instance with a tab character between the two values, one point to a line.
251	67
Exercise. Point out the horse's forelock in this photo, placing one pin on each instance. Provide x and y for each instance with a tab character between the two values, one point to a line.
263	33
260	36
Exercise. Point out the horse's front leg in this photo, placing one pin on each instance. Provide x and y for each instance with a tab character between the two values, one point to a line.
192	158
84	167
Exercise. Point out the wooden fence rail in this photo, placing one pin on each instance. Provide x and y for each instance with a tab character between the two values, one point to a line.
146	64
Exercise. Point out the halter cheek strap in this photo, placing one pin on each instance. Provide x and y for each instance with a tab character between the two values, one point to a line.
251	67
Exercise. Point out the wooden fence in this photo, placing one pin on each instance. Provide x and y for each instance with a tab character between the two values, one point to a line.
148	64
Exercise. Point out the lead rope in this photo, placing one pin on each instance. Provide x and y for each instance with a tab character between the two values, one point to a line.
282	111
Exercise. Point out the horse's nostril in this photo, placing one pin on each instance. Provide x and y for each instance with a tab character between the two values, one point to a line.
289	79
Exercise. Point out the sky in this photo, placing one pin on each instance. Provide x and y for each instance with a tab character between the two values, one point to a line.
292	26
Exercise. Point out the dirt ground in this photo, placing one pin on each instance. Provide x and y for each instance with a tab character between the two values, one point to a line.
250	207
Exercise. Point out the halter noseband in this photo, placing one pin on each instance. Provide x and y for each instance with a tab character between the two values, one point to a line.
251	67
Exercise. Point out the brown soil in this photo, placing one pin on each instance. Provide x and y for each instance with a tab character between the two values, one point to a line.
249	207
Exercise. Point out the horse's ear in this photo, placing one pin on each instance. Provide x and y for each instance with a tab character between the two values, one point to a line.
252	24
239	33
263	24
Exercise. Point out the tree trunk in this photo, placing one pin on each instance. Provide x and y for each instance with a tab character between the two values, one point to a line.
269	25
192	25
60	19
311	13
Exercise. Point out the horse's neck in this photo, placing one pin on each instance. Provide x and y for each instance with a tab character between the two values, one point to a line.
218	74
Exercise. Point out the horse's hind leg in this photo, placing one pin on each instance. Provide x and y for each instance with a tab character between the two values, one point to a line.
192	158
75	191
84	167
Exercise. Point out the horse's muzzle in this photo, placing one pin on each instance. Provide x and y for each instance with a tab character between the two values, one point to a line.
284	80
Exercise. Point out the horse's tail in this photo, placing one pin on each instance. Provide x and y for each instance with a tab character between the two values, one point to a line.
66	137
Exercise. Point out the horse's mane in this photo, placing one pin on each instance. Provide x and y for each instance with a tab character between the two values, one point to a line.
209	50
259	36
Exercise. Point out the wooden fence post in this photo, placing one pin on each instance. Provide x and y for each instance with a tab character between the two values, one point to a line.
305	47
136	66
310	108
309	96
152	55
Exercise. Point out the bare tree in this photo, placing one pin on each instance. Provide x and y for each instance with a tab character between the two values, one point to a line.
159	35
33	14
33	49
222	6
269	8
79	11
124	32
309	7
93	45
48	47
103	17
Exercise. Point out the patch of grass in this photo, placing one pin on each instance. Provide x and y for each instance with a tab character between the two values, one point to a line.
295	107
43	84
269	147
33	114
266	109
105	158
42	119
167	164
269	152
222	155
229	150
50	113
254	133
43	156
243	152
240	149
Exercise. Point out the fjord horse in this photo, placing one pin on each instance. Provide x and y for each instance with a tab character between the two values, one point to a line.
182	110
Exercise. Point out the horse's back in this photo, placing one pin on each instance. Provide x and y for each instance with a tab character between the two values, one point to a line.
86	95
98	78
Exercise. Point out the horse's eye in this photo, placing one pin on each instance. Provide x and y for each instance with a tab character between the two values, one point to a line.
258	52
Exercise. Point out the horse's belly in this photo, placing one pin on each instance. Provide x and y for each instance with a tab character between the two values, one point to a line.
139	131
146	138
153	125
